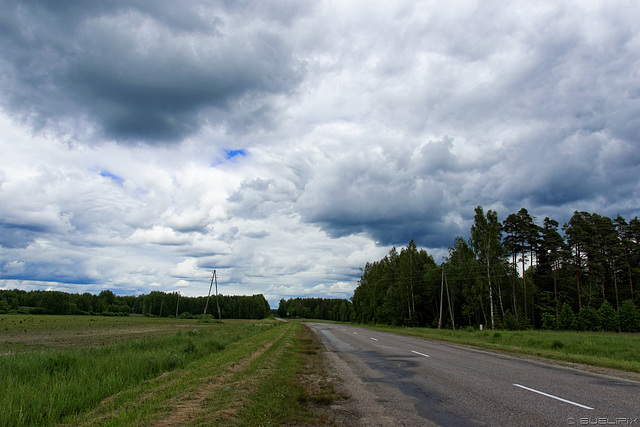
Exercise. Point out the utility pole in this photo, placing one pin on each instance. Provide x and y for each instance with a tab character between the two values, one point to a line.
207	304
441	291
177	304
453	324
444	283
218	305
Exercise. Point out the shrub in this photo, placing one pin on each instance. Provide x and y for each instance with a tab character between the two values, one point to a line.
525	323
629	317
608	317
567	318
549	321
510	322
588	319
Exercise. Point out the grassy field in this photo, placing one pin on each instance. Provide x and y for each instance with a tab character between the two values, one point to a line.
65	370
112	371
603	349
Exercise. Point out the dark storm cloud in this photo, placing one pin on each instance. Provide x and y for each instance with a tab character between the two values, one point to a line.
58	271
142	71
394	195
18	236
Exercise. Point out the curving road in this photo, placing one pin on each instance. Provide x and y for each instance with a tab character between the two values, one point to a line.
401	380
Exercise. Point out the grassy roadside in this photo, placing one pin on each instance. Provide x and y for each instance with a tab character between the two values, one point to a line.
601	349
112	371
253	382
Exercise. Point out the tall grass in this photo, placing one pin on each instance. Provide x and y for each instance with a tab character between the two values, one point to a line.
251	382
42	388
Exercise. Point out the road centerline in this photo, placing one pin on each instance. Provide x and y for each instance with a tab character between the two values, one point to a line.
553	397
375	339
421	354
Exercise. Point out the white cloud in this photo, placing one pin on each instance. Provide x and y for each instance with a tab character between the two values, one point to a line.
159	235
187	268
362	125
181	284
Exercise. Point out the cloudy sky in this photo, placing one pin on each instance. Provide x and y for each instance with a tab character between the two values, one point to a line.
144	143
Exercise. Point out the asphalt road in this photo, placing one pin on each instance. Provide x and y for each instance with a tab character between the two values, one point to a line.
411	381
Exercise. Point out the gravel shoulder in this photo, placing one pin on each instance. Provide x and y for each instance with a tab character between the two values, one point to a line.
363	405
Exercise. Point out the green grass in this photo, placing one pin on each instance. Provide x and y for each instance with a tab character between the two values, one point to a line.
251	382
603	349
20	333
43	384
61	370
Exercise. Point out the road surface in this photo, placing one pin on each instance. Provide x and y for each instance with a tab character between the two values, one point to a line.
399	380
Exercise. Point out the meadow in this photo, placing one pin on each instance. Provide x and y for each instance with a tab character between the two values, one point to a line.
85	370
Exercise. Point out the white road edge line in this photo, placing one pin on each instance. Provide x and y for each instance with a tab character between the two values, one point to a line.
553	397
421	354
375	339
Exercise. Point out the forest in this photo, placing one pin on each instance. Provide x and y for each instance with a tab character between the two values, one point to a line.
154	304
316	308
513	274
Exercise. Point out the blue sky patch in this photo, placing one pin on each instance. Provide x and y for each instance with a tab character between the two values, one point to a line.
233	153
111	176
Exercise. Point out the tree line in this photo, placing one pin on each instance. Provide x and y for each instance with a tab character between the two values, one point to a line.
154	304
316	308
513	274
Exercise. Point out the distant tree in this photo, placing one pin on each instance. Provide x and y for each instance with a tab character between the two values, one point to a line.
553	251
578	237
282	308
629	235
84	302
588	319
567	318
547	307
608	317
54	302
4	306
549	321
629	317
486	243
463	274
514	244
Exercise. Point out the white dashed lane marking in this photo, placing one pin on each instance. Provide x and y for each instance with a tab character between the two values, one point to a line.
553	397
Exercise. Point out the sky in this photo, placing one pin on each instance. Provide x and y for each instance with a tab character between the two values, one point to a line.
145	143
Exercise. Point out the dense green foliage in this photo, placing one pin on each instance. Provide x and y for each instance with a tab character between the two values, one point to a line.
159	304
317	308
513	274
